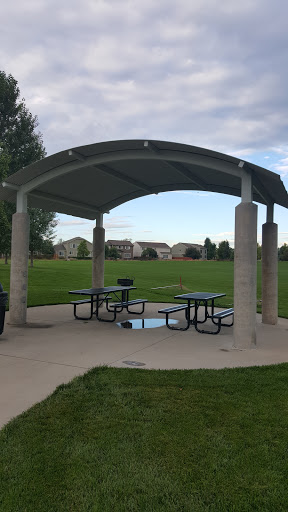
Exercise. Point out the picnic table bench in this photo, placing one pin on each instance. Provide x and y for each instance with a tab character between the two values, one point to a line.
219	316
174	309
194	300
119	306
86	301
101	295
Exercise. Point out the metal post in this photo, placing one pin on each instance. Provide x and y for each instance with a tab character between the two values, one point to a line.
98	259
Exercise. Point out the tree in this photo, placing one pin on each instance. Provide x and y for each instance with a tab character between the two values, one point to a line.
83	250
211	249
113	253
283	253
106	251
149	254
224	251
18	126
22	145
5	224
192	252
42	226
47	248
5	228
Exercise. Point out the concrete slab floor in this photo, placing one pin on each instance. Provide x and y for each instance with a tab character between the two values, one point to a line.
53	347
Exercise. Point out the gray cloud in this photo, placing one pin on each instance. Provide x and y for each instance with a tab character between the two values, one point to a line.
210	73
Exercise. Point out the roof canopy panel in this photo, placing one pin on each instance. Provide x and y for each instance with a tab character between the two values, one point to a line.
95	178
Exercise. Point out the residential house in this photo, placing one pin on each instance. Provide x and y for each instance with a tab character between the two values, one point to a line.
124	248
163	250
178	250
69	248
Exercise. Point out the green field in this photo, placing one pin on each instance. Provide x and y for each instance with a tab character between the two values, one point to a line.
50	281
129	440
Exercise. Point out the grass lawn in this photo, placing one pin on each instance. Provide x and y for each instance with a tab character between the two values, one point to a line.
50	281
147	440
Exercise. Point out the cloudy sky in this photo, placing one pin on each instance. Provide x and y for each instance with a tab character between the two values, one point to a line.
208	73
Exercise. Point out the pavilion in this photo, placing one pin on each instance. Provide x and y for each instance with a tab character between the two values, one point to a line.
90	180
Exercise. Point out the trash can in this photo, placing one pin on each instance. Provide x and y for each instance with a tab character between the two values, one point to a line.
3	302
126	281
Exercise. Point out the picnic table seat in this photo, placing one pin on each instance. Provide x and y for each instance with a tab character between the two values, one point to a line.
174	309
119	306
219	316
86	301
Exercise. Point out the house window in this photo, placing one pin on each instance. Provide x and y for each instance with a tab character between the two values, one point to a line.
127	255
70	252
61	253
73	246
165	256
127	247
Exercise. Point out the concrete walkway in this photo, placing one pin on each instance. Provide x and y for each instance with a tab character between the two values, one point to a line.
54	347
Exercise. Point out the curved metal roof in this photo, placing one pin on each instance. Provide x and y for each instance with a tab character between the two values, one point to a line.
86	180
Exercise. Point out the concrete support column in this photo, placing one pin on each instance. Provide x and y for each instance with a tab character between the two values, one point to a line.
19	269
98	260
270	273
245	275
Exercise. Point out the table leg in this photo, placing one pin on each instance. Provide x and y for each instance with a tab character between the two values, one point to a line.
197	305
125	295
212	307
97	309
202	331
84	317
188	320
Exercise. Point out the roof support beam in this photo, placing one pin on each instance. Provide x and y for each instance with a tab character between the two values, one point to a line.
270	212
21	203
76	155
151	147
6	184
185	172
176	166
261	190
257	185
99	220
246	186
116	174
63	200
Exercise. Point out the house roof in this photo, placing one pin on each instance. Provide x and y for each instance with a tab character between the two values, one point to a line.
119	242
59	247
153	245
75	238
87	180
62	247
187	244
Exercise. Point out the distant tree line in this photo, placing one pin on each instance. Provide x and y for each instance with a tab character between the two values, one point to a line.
225	252
283	253
111	253
222	252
